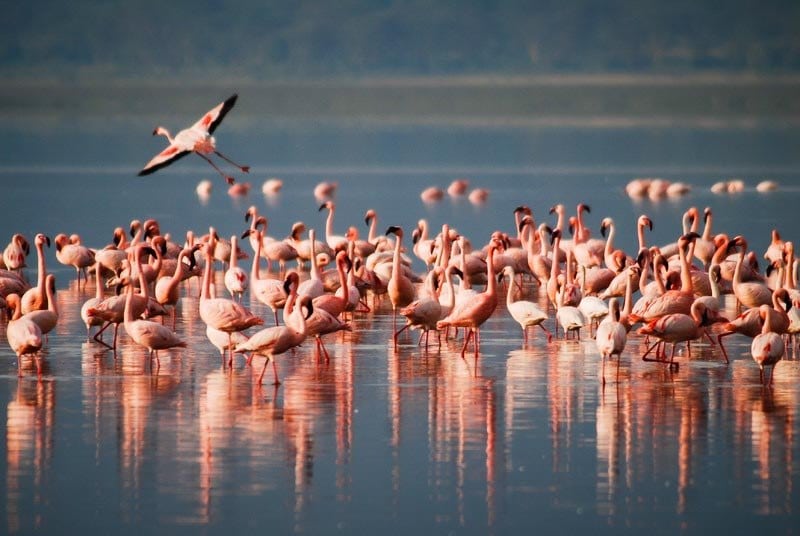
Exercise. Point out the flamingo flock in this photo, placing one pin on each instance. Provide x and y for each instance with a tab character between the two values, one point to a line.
559	278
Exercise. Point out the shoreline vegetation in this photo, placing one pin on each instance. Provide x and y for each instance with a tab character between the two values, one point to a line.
738	99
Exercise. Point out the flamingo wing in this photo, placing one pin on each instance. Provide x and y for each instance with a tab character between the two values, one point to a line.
164	158
211	120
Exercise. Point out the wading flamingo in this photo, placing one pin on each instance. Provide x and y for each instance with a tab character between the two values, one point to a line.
767	347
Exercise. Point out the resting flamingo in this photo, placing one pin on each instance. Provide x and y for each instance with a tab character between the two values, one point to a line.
195	139
70	253
15	252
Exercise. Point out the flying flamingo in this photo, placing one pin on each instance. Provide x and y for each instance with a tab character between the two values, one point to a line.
767	347
195	139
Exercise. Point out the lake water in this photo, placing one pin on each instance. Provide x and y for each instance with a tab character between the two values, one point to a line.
377	440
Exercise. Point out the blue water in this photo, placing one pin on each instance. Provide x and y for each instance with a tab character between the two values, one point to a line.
377	440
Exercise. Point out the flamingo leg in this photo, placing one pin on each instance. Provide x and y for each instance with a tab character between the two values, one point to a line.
263	370
721	346
466	341
275	373
397	334
603	369
245	169
549	335
228	178
644	357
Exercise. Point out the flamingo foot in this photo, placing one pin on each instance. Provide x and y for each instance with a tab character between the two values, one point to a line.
230	180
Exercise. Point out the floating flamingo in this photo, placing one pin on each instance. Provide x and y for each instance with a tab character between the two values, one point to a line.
195	139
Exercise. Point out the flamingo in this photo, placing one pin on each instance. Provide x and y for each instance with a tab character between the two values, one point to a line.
400	288
478	310
767	347
425	312
73	254
236	280
152	335
112	309
525	313
313	286
93	302
167	291
35	297
748	293
611	336
268	291
196	139
15	252
334	241
320	322
221	313
676	327
47	319
276	340
23	334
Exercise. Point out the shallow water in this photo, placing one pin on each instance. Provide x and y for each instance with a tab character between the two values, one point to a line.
523	437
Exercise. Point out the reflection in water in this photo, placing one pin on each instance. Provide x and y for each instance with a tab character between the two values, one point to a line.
520	425
29	450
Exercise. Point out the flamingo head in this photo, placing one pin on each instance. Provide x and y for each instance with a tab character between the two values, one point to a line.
40	240
645	220
604	225
393	229
368	216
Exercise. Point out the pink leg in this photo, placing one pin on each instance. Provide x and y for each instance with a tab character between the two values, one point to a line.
466	341
245	169
275	373
228	179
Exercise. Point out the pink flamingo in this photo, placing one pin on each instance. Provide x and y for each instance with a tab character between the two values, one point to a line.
675	328
276	340
73	254
35	297
23	334
221	313
400	288
767	347
15	252
195	139
268	291
47	319
611	336
152	335
478	310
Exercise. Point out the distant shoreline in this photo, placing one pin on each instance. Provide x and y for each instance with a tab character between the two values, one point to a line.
711	97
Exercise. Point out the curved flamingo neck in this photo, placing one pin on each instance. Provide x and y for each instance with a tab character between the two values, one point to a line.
509	294
233	261
329	222
161	131
707	227
612	230
686	276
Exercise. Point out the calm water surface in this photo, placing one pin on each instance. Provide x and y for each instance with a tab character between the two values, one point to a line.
522	438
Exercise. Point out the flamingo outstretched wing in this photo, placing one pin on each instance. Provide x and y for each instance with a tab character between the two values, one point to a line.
212	118
163	159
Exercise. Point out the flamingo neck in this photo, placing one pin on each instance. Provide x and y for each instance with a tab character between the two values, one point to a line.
255	269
